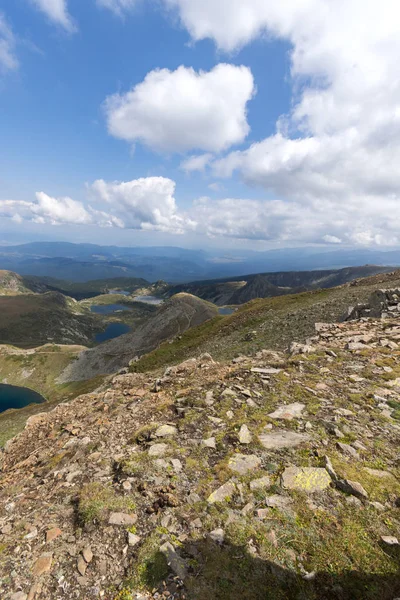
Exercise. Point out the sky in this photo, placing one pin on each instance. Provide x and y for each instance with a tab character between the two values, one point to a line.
195	123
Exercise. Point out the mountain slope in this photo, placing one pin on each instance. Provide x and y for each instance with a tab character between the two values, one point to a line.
240	290
177	315
12	284
29	320
272	477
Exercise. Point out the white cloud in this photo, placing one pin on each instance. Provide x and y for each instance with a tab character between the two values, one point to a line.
196	163
338	151
146	203
57	12
117	6
279	220
182	110
46	209
8	59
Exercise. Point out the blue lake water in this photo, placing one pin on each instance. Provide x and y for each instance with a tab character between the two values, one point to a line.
226	311
17	397
149	300
107	309
113	330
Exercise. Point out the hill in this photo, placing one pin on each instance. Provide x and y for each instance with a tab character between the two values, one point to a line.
85	289
271	476
12	284
174	318
29	320
240	290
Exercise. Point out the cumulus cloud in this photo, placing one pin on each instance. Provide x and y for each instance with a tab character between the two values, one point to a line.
46	209
146	203
280	220
339	148
8	59
182	110
117	6
196	163
57	12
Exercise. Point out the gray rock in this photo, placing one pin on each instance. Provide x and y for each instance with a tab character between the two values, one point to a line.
166	431
242	463
352	487
390	540
81	565
87	554
122	519
176	563
209	443
282	439
288	412
348	450
306	479
260	484
245	436
133	540
281	502
223	493
158	450
329	468
218	536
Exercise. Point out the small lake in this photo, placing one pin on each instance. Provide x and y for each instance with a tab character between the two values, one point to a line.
107	309
120	292
113	330
12	396
149	300
225	310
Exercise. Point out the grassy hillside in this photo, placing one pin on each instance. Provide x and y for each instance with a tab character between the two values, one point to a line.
38	370
266	323
239	290
30	320
87	289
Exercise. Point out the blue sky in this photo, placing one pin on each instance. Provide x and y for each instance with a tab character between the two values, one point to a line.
271	99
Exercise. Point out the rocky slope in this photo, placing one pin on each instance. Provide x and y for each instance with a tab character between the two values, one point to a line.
12	284
175	317
272	476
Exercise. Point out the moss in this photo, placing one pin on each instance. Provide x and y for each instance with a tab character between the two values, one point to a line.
150	567
97	500
378	488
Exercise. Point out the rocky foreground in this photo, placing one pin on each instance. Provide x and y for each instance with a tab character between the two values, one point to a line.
273	476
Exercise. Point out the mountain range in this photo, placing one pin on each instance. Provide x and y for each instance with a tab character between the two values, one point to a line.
81	262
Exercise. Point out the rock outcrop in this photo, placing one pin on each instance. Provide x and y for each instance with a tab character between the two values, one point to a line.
382	303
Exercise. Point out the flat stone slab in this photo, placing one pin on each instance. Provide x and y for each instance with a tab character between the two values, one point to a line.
222	493
122	519
281	438
306	479
288	412
242	463
43	564
260	484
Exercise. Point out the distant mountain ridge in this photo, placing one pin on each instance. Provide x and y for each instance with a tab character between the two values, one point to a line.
240	290
80	262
